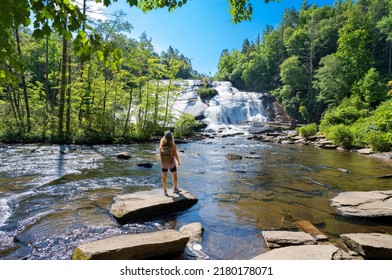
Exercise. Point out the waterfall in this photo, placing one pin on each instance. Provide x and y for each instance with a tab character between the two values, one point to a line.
229	109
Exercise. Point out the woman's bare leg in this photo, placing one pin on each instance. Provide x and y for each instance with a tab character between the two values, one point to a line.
175	179
164	176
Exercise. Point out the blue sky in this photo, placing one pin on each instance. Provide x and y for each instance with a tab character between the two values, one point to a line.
201	29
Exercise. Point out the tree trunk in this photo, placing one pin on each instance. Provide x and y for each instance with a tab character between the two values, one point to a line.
390	58
167	105
17	107
63	89
140	105
128	113
47	94
14	107
68	121
156	106
26	98
147	107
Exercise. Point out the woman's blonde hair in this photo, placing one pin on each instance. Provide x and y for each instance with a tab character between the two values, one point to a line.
167	139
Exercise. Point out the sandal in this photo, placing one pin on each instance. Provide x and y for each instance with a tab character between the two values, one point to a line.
176	190
165	192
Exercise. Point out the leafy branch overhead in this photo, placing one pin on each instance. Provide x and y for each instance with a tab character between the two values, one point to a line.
65	18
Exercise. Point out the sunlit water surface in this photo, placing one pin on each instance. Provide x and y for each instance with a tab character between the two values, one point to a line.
54	198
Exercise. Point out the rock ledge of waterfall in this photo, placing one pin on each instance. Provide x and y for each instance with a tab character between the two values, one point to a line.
133	246
371	204
140	206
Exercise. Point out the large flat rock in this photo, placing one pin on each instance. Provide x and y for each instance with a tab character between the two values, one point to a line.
275	239
142	206
133	246
302	252
370	245
364	204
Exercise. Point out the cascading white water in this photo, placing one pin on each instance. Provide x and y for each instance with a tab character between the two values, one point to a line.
229	109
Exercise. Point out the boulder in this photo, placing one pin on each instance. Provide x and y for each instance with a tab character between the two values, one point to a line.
124	155
252	156
233	156
145	165
329	146
276	239
366	151
370	245
193	249
364	204
144	205
194	231
303	252
133	246
388	176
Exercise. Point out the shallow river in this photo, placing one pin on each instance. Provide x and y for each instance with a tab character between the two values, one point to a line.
53	198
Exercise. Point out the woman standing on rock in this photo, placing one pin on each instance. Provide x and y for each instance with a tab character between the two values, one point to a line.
169	160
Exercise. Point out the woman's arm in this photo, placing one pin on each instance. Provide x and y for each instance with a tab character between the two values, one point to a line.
176	156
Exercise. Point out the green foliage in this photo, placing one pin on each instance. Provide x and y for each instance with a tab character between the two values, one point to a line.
347	113
117	95
293	73
330	81
355	41
371	88
341	134
308	130
185	126
380	141
371	129
206	93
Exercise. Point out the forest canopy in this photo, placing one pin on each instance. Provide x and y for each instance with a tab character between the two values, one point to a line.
328	65
65	77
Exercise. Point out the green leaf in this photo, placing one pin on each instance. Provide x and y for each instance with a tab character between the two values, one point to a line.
117	53
68	35
27	22
2	74
82	34
100	55
46	30
38	34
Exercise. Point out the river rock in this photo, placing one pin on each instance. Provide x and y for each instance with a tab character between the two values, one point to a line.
253	156
304	252
233	156
194	231
370	245
124	155
364	204
276	239
144	205
194	250
133	246
366	151
145	165
388	176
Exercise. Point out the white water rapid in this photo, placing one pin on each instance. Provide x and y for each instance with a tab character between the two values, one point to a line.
230	109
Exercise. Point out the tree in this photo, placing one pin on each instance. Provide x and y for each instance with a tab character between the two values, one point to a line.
385	26
355	41
371	88
293	73
331	82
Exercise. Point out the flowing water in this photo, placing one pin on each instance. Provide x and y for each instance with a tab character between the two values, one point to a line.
53	198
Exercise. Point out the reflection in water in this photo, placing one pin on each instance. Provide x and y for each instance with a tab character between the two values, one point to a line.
51	202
